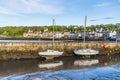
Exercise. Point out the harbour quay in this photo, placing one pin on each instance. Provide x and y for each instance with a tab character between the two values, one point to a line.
29	50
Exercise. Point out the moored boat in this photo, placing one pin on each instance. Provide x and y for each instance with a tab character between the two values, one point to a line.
86	51
50	54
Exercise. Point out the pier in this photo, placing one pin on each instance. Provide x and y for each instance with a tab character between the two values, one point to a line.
29	50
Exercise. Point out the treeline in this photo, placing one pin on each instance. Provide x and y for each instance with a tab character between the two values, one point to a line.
19	30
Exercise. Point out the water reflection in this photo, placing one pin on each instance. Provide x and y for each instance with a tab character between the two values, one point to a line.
86	62
66	63
50	65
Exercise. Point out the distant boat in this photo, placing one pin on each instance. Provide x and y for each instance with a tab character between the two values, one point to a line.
50	54
51	64
87	52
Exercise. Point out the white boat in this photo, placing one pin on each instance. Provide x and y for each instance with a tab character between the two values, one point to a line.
86	51
50	54
50	65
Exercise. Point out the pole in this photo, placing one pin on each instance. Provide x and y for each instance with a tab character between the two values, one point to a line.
53	22
53	28
85	28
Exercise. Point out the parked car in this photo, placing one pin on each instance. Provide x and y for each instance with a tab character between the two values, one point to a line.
113	38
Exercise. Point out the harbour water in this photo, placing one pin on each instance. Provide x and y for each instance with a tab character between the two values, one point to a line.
36	40
27	41
67	68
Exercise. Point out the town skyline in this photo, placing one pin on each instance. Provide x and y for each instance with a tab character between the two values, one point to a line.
41	12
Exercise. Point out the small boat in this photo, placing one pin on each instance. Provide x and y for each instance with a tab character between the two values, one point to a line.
50	65
49	54
86	51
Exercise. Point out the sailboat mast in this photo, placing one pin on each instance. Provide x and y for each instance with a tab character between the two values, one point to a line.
85	27
53	28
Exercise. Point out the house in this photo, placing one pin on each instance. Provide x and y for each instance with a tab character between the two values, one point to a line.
99	35
32	34
112	33
79	35
47	35
109	34
118	34
66	34
91	35
58	35
73	35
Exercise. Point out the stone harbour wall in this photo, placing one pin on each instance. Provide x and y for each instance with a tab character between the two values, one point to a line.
29	50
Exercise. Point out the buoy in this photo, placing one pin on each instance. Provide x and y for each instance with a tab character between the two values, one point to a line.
104	46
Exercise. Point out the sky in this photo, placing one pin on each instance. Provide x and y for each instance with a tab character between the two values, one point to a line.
65	12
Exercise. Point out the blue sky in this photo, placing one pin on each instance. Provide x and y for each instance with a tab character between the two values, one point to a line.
65	12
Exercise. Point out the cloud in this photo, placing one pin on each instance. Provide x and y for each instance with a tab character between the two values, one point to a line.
109	17
103	18
30	6
103	4
94	19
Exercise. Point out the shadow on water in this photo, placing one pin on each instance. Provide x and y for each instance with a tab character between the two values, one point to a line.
66	63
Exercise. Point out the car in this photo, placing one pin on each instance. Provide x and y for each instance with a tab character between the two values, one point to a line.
113	38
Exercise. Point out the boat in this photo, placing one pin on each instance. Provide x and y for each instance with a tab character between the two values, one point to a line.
86	51
50	65
50	54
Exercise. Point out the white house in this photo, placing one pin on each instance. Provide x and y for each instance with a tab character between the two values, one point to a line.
73	35
112	33
98	35
58	35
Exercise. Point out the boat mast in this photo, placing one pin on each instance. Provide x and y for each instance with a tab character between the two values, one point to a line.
53	21
85	28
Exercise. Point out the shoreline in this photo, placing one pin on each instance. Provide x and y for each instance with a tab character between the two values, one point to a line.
30	38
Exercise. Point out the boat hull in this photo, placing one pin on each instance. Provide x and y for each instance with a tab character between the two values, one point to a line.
50	54
88	52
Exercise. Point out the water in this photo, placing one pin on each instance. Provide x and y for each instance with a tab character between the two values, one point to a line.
68	68
36	40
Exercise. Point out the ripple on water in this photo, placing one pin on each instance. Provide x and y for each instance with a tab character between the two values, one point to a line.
96	73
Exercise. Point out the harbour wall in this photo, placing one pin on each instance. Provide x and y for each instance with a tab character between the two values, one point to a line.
29	50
